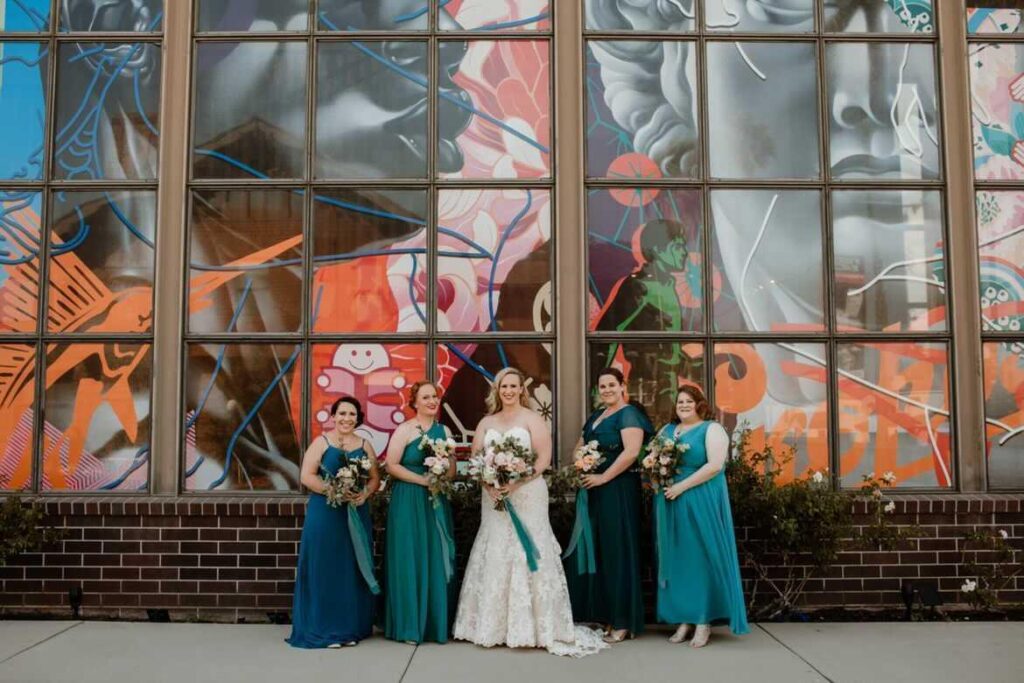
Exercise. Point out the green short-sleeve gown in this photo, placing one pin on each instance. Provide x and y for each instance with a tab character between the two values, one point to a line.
612	595
419	556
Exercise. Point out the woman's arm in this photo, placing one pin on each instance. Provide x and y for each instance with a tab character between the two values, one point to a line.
632	442
309	475
393	462
716	442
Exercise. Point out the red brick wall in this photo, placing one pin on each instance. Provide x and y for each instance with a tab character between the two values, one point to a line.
232	559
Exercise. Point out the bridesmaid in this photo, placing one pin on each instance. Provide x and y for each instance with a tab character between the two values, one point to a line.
698	569
420	550
611	595
333	605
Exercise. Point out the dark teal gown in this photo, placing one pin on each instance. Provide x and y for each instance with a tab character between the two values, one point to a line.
613	594
332	603
700	582
419	556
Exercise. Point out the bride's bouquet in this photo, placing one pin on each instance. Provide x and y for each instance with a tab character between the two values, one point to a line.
501	463
348	482
662	460
438	464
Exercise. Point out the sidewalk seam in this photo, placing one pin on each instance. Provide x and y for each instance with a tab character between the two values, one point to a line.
795	653
50	637
408	664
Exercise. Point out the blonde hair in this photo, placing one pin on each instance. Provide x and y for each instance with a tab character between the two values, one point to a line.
494	400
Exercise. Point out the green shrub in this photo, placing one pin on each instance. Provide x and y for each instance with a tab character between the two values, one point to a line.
22	529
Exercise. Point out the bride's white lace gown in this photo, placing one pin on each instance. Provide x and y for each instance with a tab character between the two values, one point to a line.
502	602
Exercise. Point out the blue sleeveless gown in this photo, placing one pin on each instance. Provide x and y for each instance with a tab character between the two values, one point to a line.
332	602
702	582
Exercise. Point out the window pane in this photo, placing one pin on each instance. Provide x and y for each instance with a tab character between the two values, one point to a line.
96	435
989	20
494	265
101	262
243	407
763	110
642	110
615	15
884	121
245	261
755	235
879	16
763	16
889	260
894	412
1001	242
22	109
370	251
24	15
17	397
644	251
1004	413
780	393
508	15
494	109
250	110
20	218
465	370
377	375
104	15
261	16
376	15
371	114
997	85
653	371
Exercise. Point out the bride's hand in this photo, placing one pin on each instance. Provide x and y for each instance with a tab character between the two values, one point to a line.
493	492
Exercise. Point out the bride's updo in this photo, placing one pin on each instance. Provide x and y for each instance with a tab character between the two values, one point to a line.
494	400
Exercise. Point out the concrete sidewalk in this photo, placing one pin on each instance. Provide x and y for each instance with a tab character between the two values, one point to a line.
887	652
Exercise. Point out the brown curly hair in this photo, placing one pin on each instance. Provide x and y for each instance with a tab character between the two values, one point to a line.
703	409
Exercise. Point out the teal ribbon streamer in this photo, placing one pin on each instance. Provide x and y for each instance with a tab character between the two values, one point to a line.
361	546
582	540
447	538
524	537
661	536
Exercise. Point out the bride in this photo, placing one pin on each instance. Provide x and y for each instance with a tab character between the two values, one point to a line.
502	602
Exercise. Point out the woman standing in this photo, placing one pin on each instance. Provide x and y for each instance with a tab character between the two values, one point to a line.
333	605
698	569
420	551
607	590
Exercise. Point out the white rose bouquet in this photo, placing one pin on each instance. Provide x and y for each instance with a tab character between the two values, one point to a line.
348	482
438	464
501	463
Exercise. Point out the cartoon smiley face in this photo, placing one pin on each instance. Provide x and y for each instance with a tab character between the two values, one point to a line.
361	358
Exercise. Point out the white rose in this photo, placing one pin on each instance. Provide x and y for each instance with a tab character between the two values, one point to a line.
890	506
969	586
889	477
818	477
1003	534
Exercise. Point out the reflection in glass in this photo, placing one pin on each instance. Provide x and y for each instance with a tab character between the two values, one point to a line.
250	105
627	15
371	120
884	120
997	110
642	110
104	15
242	417
262	16
763	16
1004	413
510	15
756	234
989	19
494	119
25	16
653	370
763	110
494	265
879	16
780	393
370	261
373	15
246	261
20	218
22	109
894	412
889	268
17	396
96	433
1001	260
100	276
644	251
377	375
465	370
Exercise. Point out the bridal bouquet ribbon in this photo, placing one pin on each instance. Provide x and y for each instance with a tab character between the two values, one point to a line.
438	464
503	462
586	460
660	466
339	488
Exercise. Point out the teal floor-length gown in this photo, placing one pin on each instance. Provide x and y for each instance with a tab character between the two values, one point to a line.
332	603
419	556
700	582
612	595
